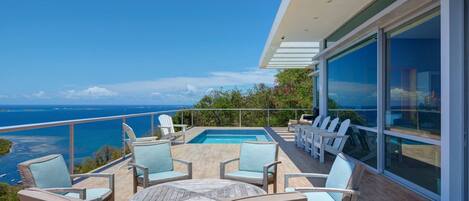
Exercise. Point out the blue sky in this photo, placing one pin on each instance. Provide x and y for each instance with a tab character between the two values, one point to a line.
130	52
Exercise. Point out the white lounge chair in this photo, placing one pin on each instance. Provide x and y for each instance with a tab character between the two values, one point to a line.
330	141
308	132
342	182
132	137
300	129
167	129
312	135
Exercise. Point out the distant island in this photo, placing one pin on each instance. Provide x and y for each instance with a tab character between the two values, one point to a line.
5	146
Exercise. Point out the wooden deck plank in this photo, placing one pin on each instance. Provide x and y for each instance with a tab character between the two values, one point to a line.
206	159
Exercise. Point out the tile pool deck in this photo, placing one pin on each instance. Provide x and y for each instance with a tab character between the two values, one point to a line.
206	159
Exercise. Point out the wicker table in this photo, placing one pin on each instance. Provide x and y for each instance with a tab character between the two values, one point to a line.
197	189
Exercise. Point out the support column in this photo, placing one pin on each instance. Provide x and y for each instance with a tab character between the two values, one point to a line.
452	100
381	103
322	87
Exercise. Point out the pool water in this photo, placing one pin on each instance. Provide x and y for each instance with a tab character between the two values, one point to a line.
230	136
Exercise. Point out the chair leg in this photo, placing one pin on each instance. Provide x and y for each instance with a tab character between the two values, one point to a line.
135	185
321	155
275	186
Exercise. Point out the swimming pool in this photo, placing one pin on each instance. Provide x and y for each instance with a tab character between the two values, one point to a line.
230	136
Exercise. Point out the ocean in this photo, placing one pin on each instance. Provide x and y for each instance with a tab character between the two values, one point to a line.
88	137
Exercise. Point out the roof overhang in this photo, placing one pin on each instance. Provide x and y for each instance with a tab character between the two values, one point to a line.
300	26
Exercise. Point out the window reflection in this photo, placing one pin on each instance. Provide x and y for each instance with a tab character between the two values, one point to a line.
415	161
361	145
352	84
413	79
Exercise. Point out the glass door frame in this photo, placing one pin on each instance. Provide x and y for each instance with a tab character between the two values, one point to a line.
381	143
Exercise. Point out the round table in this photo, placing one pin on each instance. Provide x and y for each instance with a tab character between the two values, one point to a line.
197	189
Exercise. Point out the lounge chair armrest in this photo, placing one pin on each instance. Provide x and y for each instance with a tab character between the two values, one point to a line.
267	166
180	125
160	126
141	139
223	164
109	176
331	190
229	161
307	175
182	161
188	164
81	191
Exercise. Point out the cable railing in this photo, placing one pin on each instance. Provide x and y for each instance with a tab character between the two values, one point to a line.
191	116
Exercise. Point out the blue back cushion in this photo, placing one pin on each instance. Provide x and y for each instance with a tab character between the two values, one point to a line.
339	175
254	156
51	174
155	156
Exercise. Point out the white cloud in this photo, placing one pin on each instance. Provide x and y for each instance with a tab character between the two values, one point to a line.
188	89
39	94
91	92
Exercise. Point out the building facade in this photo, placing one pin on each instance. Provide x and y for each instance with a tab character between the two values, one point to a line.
399	70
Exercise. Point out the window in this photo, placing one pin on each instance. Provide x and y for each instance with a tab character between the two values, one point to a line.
415	161
413	79
352	83
413	91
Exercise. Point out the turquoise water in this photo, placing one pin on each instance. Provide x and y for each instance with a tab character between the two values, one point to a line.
230	136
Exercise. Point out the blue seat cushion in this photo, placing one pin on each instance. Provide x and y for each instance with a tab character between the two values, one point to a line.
156	157
92	194
339	176
163	176
253	157
51	173
314	196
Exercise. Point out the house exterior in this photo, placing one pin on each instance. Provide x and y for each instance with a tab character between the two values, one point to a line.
399	70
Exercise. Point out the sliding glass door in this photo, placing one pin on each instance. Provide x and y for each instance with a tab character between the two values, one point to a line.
413	94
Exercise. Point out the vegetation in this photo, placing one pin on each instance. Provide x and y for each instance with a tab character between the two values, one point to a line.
102	157
8	193
5	146
292	89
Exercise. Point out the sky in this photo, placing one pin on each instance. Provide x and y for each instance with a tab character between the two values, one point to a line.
130	52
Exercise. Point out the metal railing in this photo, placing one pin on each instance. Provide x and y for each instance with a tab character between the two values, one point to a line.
72	123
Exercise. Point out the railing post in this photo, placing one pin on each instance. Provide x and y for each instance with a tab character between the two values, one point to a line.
182	117
296	114
192	118
123	138
268	117
240	118
72	148
152	123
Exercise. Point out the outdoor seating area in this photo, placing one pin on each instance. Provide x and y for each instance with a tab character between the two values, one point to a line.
160	171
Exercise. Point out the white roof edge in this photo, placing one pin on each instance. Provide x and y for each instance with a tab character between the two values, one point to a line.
278	18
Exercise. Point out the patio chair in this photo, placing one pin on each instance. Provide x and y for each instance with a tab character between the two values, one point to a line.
305	119
167	128
132	137
300	129
330	141
307	133
257	164
342	182
50	173
153	164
